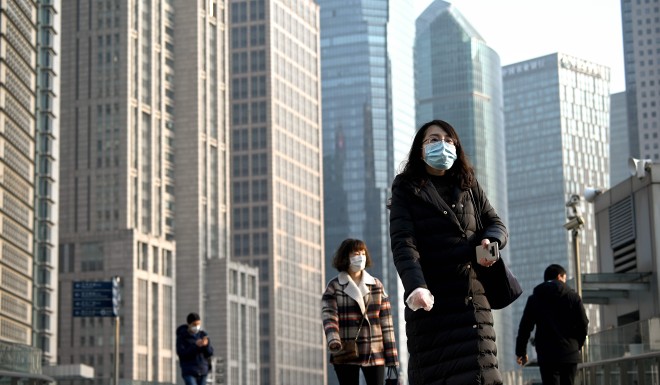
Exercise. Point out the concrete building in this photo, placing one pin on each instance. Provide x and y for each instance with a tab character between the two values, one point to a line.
368	125
458	79
556	110
276	180
627	285
117	184
640	21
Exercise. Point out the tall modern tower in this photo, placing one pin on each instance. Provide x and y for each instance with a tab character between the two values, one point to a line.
18	139
117	182
47	171
277	190
619	134
458	79
641	44
222	292
557	118
368	125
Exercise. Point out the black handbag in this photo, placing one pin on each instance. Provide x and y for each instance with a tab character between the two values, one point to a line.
501	286
392	376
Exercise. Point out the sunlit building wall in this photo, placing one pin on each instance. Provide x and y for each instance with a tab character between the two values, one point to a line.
276	180
117	187
18	138
47	172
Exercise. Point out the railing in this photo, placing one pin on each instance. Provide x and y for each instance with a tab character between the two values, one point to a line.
639	369
19	358
626	355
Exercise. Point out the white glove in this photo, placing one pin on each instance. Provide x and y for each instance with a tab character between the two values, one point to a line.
420	298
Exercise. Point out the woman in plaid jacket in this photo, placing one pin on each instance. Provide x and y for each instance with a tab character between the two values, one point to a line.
355	306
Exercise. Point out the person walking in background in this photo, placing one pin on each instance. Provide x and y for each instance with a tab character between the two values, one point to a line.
355	307
435	207
194	349
561	328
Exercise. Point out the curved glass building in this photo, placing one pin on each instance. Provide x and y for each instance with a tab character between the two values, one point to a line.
458	79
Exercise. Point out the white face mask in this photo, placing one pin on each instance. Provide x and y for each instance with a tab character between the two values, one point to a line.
358	262
195	329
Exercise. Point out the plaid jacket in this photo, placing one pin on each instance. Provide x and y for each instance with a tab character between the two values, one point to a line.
342	312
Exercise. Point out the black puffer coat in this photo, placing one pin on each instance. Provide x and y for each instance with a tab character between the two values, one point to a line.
433	243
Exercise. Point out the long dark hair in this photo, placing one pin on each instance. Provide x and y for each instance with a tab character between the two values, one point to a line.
461	171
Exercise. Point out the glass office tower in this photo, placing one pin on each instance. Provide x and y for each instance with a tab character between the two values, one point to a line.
557	117
458	79
368	125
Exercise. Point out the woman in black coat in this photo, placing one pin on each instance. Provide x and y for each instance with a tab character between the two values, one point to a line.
433	229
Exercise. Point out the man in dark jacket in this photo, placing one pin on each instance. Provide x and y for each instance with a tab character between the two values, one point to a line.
561	328
194	349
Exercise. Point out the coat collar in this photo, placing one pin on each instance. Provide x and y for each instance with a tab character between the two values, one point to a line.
352	289
428	193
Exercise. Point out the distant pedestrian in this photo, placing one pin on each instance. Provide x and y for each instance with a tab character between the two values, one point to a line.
194	349
356	313
561	328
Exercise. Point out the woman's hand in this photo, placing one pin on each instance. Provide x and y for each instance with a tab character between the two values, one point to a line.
420	298
484	262
334	346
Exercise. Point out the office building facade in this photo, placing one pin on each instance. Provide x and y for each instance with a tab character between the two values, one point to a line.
619	149
640	21
47	171
18	125
117	185
557	118
458	80
368	125
277	190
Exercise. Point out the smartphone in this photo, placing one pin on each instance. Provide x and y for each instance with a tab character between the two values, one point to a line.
492	253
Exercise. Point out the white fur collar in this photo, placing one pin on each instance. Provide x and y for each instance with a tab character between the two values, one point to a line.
352	288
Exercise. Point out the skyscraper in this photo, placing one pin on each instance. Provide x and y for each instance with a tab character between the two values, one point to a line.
277	190
117	186
368	124
207	282
641	50
556	109
18	118
47	172
458	79
619	134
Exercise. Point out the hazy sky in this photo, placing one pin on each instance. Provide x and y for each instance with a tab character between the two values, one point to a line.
519	30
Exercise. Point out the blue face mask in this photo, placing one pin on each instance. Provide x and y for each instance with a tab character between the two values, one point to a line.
440	155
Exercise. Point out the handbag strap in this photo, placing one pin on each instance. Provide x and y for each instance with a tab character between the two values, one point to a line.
366	310
474	205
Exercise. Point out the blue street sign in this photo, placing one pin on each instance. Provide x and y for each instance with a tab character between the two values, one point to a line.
92	285
95	298
94	313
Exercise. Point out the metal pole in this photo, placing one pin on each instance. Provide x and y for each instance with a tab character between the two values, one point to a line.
116	350
576	254
578	289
